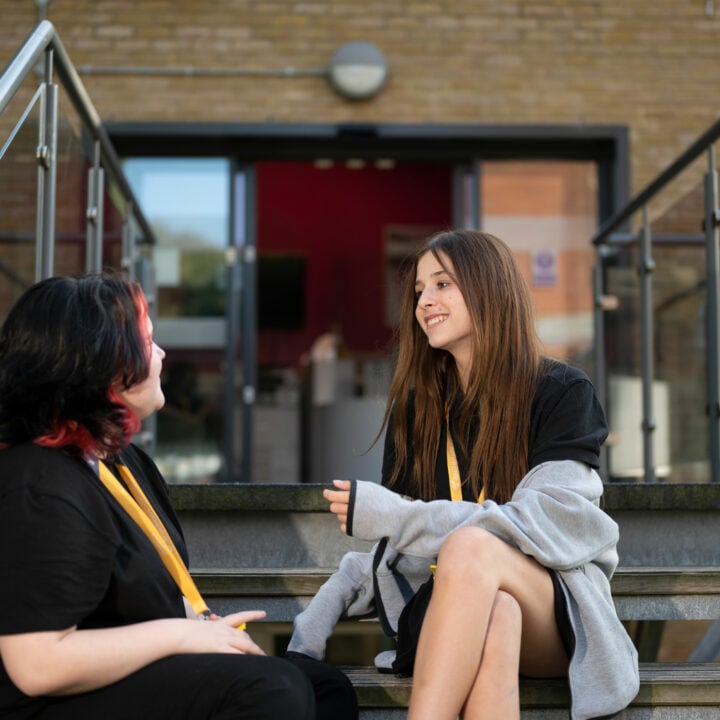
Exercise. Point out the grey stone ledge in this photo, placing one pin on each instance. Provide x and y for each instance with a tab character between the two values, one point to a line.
308	497
687	687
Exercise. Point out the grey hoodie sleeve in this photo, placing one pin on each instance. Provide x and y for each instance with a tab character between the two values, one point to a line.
553	516
349	591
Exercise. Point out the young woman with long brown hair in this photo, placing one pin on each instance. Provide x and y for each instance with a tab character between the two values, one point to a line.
489	474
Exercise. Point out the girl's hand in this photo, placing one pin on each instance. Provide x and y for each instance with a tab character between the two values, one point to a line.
339	501
223	634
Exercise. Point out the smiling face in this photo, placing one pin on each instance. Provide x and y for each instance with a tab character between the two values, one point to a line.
442	312
145	397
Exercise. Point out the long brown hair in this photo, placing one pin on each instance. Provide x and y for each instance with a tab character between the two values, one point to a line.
506	361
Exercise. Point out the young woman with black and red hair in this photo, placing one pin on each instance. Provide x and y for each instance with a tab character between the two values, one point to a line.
92	620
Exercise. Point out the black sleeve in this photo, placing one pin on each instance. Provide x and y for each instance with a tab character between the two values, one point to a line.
60	566
567	421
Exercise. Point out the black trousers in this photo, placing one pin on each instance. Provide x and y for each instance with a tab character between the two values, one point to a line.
334	694
211	686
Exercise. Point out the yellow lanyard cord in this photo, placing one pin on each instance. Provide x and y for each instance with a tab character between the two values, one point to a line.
138	507
452	465
454	471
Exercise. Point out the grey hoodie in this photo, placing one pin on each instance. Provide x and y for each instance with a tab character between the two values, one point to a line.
553	516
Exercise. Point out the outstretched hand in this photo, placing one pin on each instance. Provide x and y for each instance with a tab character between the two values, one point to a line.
339	500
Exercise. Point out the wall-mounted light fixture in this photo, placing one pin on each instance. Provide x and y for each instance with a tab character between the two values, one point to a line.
358	70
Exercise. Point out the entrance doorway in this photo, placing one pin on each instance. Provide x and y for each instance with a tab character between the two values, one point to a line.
330	238
284	376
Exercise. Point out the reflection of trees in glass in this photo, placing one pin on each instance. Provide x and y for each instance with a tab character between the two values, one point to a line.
185	238
202	286
203	282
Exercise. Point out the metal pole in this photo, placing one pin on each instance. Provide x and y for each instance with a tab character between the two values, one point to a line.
47	173
127	259
249	327
94	215
249	380
145	274
712	234
600	379
233	264
24	62
646	268
599	348
603	303
241	329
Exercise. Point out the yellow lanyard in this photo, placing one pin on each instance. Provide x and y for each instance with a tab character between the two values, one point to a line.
452	465
138	507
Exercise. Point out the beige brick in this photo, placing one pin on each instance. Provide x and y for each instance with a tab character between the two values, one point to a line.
646	65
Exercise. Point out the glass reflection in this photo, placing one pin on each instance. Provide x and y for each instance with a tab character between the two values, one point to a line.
187	201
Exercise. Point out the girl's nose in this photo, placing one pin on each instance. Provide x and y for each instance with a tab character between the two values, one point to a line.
425	298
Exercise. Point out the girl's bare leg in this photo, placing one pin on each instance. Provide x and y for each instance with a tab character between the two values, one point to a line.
496	693
457	647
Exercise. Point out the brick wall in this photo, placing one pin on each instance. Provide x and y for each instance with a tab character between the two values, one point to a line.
647	65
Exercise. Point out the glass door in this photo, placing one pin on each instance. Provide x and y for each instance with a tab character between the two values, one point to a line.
188	202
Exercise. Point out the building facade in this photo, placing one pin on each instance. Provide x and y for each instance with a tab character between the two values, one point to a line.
283	210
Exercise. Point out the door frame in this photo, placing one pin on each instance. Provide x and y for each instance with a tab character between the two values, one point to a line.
461	145
455	143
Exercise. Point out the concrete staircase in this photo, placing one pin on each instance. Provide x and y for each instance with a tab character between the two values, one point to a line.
272	546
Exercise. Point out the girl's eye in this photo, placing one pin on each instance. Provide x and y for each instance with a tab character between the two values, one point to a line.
443	283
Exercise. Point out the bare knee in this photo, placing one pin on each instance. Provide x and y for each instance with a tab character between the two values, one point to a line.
467	549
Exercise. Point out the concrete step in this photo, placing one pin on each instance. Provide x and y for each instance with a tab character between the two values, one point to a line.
668	691
270	526
640	593
273	546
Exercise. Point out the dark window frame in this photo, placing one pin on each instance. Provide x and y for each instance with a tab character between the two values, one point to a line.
608	145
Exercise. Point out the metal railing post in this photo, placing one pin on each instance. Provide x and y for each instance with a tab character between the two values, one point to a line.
600	379
646	268
712	235
248	340
145	275
94	214
44	45
47	174
127	248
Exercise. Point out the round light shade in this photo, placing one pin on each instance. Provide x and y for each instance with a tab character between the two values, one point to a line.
358	70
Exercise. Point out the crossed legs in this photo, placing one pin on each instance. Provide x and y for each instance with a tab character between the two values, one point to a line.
490	618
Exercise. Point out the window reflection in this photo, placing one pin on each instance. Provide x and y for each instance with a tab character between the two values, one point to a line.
547	212
187	201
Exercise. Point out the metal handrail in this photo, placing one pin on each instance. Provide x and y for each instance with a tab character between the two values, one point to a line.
670	173
605	237
24	62
45	38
